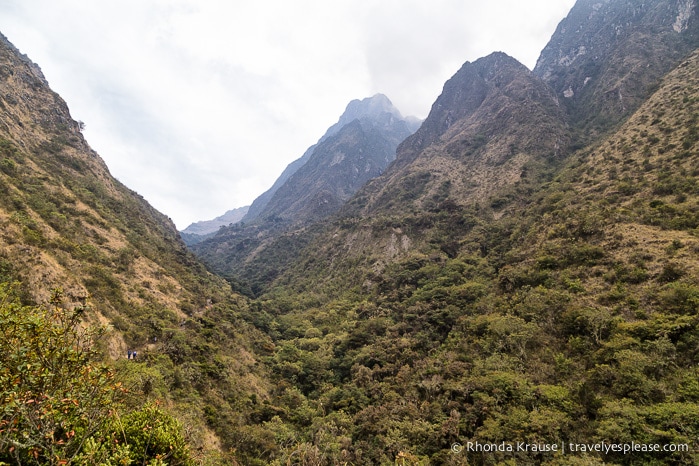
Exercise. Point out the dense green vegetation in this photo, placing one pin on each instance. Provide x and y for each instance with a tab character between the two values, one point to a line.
557	308
572	318
60	405
66	223
111	250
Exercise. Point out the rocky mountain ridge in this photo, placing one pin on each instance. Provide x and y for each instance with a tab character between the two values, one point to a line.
369	108
606	57
483	139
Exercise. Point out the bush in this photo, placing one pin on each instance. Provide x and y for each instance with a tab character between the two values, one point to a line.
52	395
59	406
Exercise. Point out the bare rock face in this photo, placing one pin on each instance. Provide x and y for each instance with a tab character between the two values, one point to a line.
606	56
338	167
376	109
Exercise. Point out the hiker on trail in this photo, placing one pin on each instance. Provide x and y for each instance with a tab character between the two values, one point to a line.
134	355
129	355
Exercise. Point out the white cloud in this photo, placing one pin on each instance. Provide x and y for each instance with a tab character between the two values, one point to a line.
199	104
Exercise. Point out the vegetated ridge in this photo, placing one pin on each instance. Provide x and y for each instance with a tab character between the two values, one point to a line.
66	224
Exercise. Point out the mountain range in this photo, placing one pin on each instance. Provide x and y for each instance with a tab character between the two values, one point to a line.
519	269
199	231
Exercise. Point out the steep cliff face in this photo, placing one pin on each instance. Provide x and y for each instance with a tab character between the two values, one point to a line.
337	168
607	56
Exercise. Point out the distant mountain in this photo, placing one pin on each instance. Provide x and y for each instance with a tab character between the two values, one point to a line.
198	231
340	164
357	148
368	109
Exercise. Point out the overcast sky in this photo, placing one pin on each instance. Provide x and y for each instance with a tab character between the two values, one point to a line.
198	105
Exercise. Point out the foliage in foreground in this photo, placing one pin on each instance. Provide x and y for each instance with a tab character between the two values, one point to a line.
60	406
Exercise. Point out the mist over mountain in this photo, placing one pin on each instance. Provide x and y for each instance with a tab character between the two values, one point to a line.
370	108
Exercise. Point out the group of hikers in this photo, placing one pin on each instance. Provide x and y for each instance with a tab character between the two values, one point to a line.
131	354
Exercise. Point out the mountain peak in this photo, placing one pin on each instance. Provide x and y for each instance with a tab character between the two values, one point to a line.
494	116
370	106
464	94
378	109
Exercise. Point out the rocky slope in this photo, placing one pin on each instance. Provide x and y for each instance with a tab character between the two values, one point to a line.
370	108
493	118
607	56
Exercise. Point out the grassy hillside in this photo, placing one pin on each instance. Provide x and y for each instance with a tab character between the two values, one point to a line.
66	223
492	286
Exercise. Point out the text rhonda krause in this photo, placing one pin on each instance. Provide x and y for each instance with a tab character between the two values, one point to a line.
600	447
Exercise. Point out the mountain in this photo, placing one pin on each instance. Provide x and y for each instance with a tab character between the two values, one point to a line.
198	231
339	165
355	149
522	276
493	119
498	129
66	224
370	108
495	128
606	57
573	317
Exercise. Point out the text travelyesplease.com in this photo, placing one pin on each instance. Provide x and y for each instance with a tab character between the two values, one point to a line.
598	447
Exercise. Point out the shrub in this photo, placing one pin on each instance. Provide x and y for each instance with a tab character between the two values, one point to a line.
59	406
52	394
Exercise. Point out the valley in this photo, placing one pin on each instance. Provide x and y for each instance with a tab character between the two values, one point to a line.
520	268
